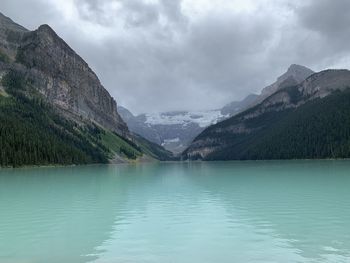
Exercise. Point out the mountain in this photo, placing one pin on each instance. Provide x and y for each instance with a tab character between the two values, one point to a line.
176	130
293	76
137	125
173	130
308	120
53	108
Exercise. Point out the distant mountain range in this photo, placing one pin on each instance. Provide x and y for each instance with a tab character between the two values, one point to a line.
307	120
172	130
53	108
176	130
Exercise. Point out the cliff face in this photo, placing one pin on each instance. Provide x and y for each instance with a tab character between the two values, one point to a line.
59	74
66	80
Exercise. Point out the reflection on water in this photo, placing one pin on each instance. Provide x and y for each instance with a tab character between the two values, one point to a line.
292	211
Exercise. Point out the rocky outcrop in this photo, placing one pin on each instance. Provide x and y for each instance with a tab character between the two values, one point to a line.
325	82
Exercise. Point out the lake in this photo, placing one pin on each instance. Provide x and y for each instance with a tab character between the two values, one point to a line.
277	211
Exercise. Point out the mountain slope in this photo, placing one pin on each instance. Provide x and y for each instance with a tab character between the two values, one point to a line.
137	124
63	78
309	120
53	108
154	150
32	132
66	80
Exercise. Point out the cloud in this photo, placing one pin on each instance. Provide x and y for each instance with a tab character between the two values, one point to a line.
159	55
330	20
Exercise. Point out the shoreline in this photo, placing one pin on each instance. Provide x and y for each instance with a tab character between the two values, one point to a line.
154	161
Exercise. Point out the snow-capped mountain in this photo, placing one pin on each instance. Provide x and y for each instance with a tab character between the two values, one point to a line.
202	118
173	130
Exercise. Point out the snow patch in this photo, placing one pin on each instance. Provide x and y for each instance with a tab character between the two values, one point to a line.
167	141
202	118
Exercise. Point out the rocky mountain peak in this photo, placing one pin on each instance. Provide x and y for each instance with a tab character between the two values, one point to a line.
45	33
292	77
319	85
59	74
297	72
297	67
46	28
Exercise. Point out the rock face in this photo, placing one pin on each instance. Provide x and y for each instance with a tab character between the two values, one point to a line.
60	75
249	130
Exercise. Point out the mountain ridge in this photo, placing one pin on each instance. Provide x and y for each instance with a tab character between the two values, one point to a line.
247	131
293	76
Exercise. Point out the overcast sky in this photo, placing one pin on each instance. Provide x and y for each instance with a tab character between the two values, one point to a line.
161	55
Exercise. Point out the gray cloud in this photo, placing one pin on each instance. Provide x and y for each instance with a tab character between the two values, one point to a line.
330	20
134	13
155	56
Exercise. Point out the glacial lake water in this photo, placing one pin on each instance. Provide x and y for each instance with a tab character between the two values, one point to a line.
287	211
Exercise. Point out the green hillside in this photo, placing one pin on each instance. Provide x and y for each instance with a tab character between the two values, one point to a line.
33	133
154	150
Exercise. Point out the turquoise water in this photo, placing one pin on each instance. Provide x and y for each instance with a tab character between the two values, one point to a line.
291	211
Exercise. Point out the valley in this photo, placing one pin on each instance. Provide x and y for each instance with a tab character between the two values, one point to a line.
55	110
